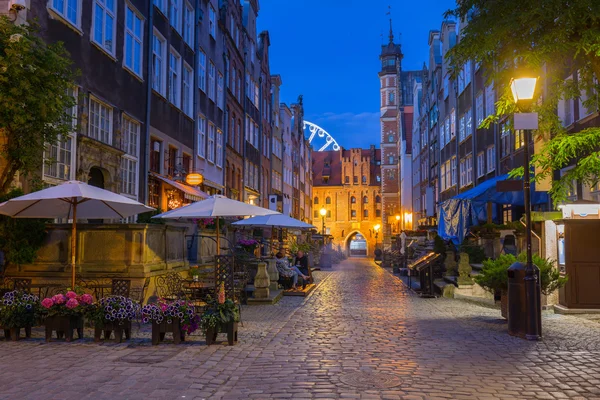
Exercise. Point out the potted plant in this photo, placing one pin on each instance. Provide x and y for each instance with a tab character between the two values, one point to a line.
18	310
113	314
177	317
550	277
220	316
494	278
195	273
248	245
64	312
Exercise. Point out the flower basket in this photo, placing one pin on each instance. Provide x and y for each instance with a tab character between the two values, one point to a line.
220	316
18	310
113	314
230	328
64	325
249	246
176	317
65	313
110	327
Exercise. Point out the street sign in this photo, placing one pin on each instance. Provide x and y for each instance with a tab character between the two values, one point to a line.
509	185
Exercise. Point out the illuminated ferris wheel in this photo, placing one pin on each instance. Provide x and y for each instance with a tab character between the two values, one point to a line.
319	138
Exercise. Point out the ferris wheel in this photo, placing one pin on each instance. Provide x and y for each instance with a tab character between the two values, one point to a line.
320	137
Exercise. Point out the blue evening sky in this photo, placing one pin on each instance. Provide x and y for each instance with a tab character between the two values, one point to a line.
328	51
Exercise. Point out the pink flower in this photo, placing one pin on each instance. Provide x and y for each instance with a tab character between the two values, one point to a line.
47	303
87	299
71	294
72	303
59	298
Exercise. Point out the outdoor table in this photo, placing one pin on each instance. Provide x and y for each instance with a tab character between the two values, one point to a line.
44	288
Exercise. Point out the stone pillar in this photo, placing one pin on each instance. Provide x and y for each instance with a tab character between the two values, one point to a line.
273	273
261	282
450	264
464	270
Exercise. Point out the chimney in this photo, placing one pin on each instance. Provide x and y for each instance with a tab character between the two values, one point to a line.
372	148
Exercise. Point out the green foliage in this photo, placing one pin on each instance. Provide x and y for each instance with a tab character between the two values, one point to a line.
550	39
439	246
216	314
20	238
494	275
19	309
476	253
35	104
550	278
146	218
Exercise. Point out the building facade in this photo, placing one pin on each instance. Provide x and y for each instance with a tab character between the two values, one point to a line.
346	184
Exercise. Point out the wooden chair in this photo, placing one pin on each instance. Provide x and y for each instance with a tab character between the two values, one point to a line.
170	286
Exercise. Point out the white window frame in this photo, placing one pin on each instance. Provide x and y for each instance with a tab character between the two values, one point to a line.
463	173
461	128
64	13
212	23
161	5
176	14
490	103
61	148
202	70
220	96
468	122
175	78
105	12
99	136
210	156
443	177
131	157
129	61
479	117
201	151
187	90
453	171
188	24
491	158
219	155
480	164
452	124
212	72
469	169
162	59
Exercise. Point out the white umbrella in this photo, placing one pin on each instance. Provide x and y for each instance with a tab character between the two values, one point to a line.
215	206
274	220
72	200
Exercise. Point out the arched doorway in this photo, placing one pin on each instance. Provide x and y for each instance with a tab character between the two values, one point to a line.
96	177
356	245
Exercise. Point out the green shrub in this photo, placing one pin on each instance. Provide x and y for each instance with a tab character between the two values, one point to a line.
475	252
550	277
494	275
439	246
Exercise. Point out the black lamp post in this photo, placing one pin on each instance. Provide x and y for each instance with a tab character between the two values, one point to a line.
523	91
323	212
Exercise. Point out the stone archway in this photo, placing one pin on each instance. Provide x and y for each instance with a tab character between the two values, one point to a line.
96	178
356	245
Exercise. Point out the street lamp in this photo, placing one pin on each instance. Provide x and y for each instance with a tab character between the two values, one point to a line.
523	90
323	212
376	229
398	222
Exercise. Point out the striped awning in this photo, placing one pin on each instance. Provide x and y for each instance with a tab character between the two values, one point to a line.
189	192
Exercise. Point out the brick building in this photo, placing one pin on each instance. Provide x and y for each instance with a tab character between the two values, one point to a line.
347	184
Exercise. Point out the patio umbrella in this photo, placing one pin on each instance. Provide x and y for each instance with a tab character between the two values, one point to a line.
275	221
72	200
215	206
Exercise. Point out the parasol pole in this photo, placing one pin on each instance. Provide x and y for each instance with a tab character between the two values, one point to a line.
218	241
73	242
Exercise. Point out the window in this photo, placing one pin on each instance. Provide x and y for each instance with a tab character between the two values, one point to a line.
202	71
219	156
443	177
175	78
201	136
453	170
446	86
347	179
489	100
491	158
188	24
70	10
353	200
480	164
461	128
130	139
468	123
452	124
504	140
469	176
155	153
519	139
100	121
391	98
463	173
220	96
175	14
315	214
377	199
391	159
211	143
365	213
134	42
211	81
378	178
364	179
447	129
447	177
316	201
442	137
212	24
58	159
391	138
479	117
352	214
159	47
365	199
378	213
328	213
188	92
355	179
103	24
328	200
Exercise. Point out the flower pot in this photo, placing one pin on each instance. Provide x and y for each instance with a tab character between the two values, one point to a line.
64	326
14	334
504	303
159	329
116	327
230	328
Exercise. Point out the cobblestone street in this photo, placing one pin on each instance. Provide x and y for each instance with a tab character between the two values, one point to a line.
361	334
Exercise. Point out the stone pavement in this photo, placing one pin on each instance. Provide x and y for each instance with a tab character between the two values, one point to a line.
361	334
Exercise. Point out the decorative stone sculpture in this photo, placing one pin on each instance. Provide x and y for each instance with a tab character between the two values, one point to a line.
450	264
464	270
261	282
273	273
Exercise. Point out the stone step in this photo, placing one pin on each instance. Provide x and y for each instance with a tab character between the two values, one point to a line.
477	267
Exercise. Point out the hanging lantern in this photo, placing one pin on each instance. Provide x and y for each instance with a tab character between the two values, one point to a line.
194	179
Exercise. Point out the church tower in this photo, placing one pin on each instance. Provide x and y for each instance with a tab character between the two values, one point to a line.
391	100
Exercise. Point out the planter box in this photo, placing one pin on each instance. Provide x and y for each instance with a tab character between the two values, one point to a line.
160	329
64	326
15	333
115	327
231	329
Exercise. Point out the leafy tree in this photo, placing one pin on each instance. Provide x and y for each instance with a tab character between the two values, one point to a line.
553	39
35	78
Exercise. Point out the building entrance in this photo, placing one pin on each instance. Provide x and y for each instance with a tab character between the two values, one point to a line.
357	245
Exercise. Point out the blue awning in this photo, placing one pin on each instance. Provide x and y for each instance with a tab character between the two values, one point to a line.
469	208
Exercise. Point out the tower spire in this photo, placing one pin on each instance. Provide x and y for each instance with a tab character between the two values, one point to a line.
391	31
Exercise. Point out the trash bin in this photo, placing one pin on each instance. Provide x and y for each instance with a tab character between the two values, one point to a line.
517	299
378	254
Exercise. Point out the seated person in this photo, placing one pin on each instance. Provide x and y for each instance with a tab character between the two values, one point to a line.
301	262
284	269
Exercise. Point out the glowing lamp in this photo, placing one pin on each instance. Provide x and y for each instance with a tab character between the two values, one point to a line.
523	88
194	179
377	227
397	218
323	212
